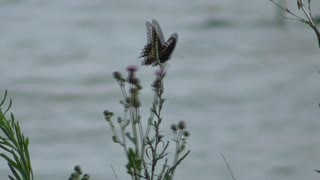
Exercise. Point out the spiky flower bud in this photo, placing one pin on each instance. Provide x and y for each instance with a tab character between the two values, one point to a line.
131	74
182	125
186	133
77	168
107	115
117	75
85	177
74	175
134	80
173	127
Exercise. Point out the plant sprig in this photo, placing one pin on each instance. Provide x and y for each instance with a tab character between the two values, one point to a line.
144	149
309	20
13	145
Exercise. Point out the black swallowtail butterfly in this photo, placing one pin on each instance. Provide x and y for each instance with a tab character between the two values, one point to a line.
157	50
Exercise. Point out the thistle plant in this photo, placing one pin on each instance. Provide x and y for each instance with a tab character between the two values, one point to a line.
145	146
13	144
306	9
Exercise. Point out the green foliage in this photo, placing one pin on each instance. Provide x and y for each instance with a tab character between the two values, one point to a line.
134	163
13	145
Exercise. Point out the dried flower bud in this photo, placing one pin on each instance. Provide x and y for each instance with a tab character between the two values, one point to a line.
117	75
74	175
186	133
182	125
134	80
107	115
77	168
85	177
173	127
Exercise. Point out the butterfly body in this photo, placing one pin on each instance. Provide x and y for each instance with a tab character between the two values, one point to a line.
157	49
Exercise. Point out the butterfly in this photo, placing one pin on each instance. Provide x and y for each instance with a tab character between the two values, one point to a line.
157	49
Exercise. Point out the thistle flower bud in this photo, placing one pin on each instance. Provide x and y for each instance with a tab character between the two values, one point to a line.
85	177
134	80
173	127
117	75
74	175
131	74
77	168
182	125
107	115
186	133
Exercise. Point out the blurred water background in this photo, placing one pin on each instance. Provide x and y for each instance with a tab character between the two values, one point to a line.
246	86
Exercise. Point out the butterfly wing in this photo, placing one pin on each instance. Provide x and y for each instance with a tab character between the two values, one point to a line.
168	48
151	51
156	25
149	32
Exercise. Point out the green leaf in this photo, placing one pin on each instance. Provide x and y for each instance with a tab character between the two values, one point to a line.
4	98
135	163
4	147
9	160
13	142
10	104
15	173
10	177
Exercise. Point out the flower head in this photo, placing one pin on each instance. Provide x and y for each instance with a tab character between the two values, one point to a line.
132	68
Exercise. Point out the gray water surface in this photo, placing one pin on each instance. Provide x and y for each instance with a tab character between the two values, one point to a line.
246	86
